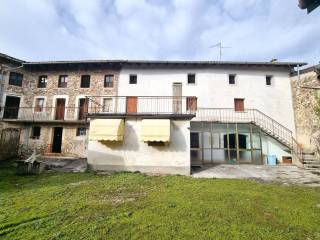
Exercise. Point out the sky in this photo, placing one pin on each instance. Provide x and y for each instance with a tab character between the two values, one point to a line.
255	30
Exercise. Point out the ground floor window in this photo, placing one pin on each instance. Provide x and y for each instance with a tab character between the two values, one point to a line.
35	133
217	143
81	131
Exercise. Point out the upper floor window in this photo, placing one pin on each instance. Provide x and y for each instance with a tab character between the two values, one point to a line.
15	79
81	132
191	79
42	81
36	132
63	81
85	81
133	79
107	104
232	79
39	104
268	80
108	81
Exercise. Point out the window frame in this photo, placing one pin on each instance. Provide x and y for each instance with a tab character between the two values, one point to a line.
63	84
38	108
108	84
33	136
15	79
103	105
83	83
133	77
269	78
234	79
79	132
194	79
42	84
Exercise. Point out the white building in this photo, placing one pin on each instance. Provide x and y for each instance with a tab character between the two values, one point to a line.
169	116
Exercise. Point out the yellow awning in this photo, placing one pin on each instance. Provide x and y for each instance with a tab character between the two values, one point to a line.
155	130
106	130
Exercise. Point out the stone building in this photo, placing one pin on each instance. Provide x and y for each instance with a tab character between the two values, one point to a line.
48	101
306	95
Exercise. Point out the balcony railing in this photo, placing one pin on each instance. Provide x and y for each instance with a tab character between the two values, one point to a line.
41	114
141	105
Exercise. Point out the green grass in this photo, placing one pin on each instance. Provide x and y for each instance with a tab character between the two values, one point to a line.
134	206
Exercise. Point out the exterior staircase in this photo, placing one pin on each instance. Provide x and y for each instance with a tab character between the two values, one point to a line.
311	163
263	121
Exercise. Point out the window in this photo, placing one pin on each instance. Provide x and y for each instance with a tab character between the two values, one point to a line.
81	132
85	81
63	81
36	132
42	81
191	79
194	140
108	81
39	105
15	79
232	79
268	80
239	104
107	104
133	79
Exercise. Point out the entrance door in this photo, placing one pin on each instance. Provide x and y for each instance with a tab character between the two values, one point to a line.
60	108
83	108
132	104
11	108
177	97
57	139
239	104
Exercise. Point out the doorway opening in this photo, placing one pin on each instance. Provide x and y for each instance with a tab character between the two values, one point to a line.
57	139
60	108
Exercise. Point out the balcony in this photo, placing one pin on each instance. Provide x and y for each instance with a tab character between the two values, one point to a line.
155	106
44	114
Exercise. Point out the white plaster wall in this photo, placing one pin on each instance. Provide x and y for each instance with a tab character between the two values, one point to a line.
272	147
213	90
135	155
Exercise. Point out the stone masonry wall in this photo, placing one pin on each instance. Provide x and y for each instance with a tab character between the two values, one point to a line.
71	144
307	121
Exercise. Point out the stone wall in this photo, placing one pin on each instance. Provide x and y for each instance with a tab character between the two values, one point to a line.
72	145
304	101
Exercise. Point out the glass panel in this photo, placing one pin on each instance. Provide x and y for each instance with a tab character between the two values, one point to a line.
245	156
206	127
194	140
256	157
196	126
232	128
223	140
196	157
217	127
256	141
244	141
244	128
206	139
255	128
215	141
219	156
233	157
207	156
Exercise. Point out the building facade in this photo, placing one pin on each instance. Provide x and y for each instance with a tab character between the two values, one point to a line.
154	116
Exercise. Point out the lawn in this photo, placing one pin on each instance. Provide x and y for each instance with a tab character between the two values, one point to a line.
135	206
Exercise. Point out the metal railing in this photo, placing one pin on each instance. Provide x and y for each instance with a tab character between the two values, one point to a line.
43	114
140	105
266	123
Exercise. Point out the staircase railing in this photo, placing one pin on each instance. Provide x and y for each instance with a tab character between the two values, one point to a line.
266	123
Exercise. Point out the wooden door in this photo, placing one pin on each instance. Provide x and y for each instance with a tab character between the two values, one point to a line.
191	104
132	104
60	108
177	97
11	108
83	108
57	139
239	104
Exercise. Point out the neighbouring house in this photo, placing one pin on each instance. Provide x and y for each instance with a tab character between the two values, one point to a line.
155	116
306	93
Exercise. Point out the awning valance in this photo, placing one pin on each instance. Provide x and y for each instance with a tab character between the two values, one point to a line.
106	130
155	130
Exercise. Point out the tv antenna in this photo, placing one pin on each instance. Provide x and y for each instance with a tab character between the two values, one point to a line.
219	45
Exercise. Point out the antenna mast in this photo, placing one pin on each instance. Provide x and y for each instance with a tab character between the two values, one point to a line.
219	45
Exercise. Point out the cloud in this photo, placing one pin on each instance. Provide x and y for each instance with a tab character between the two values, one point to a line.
159	29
